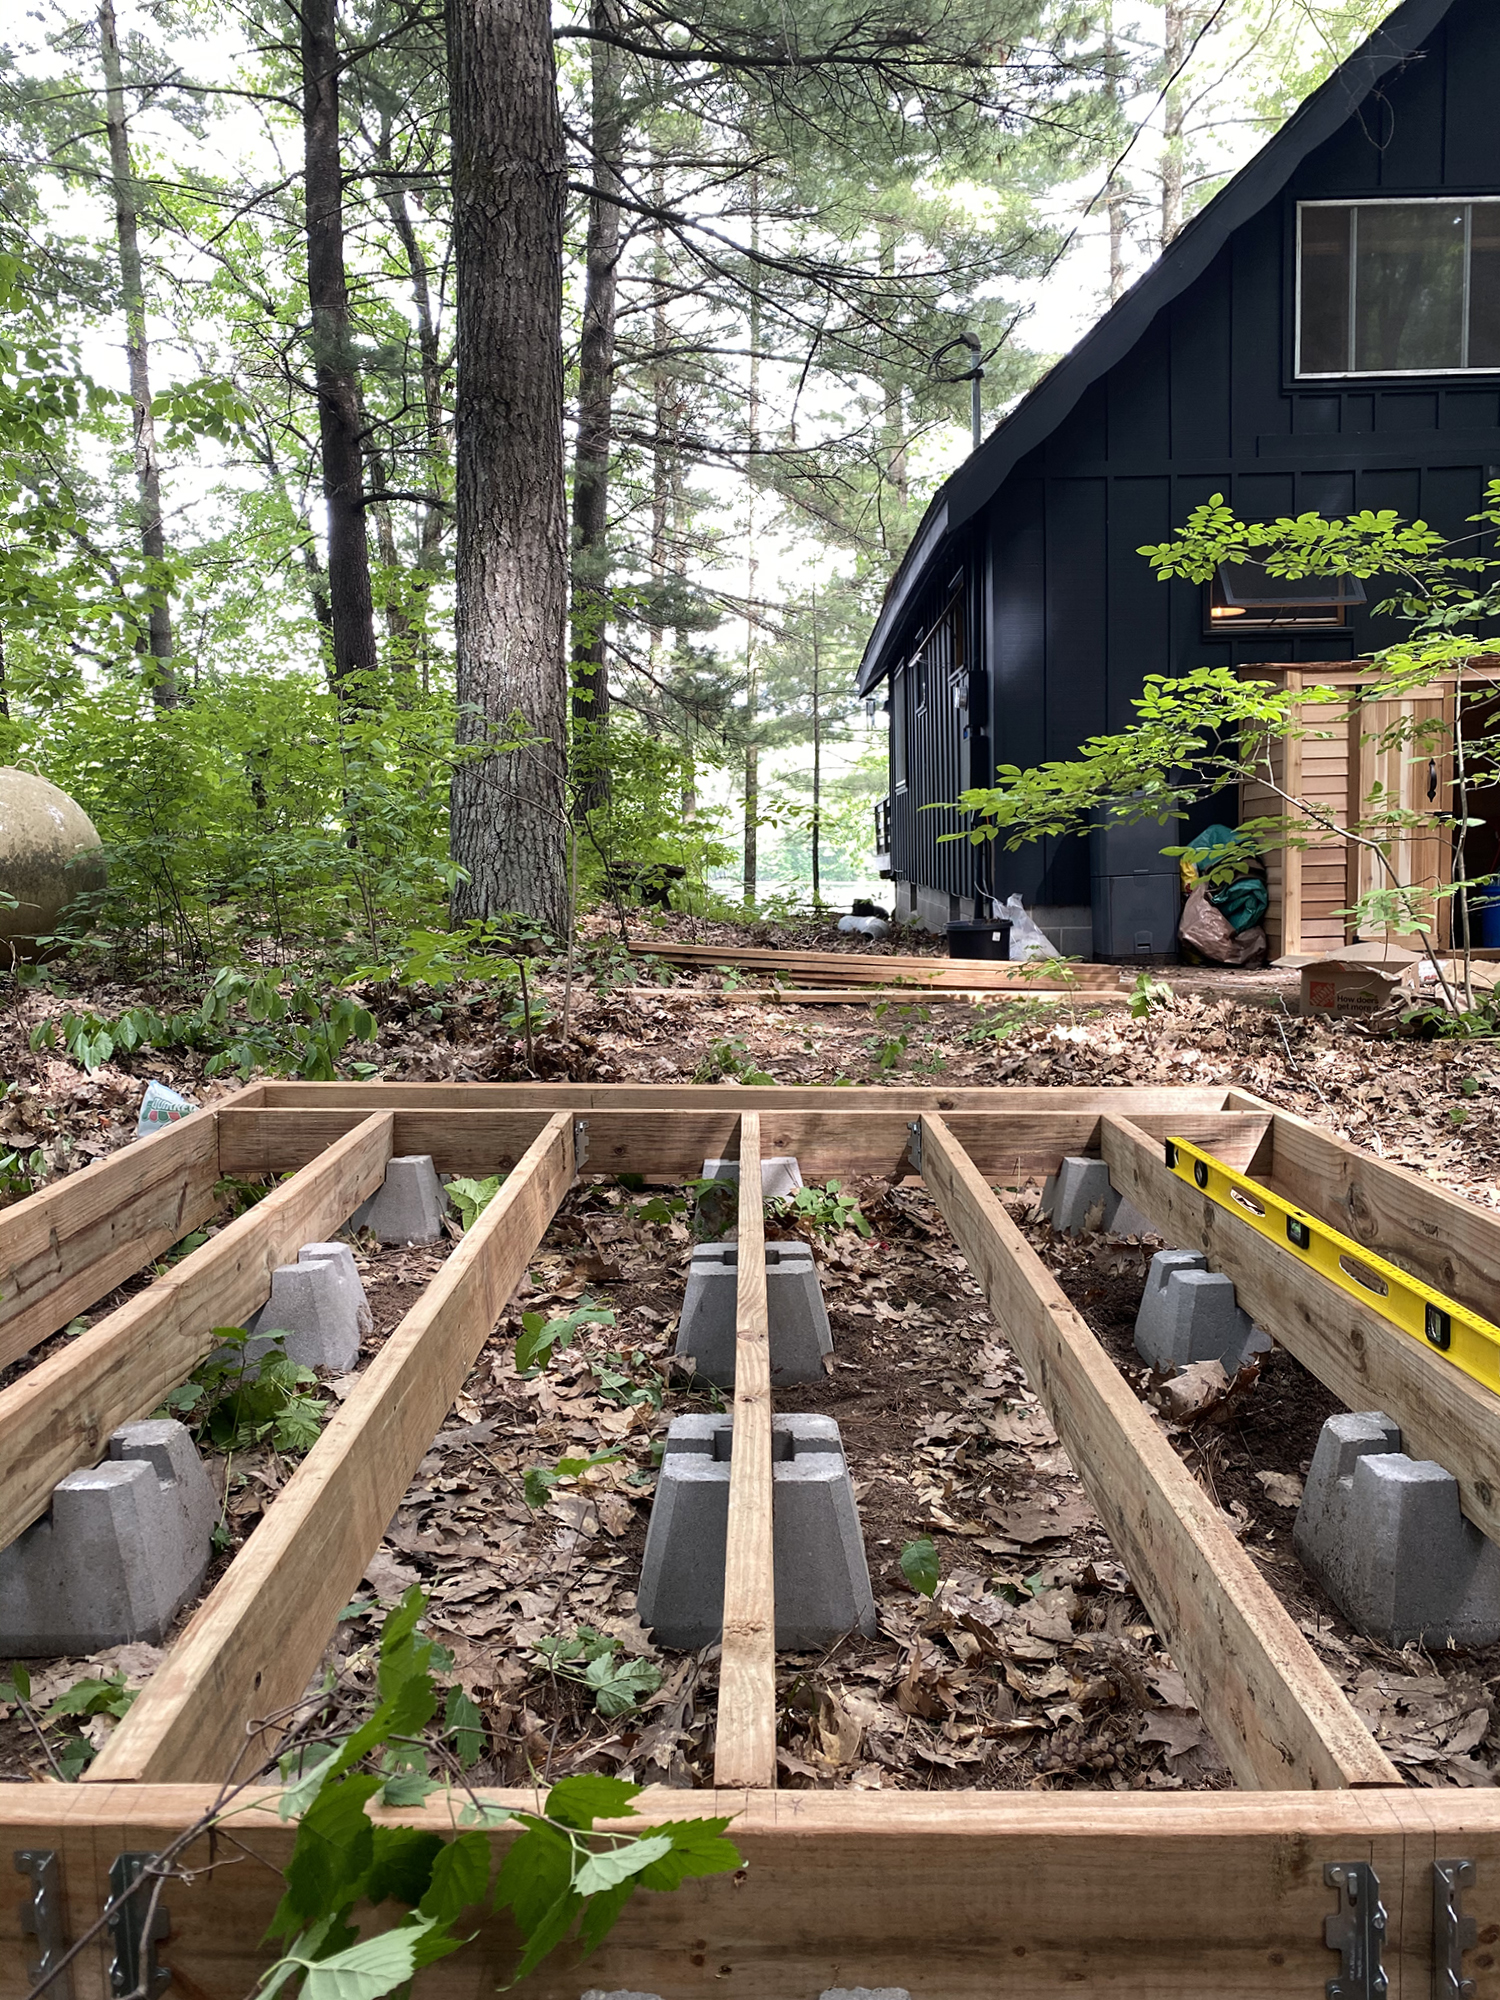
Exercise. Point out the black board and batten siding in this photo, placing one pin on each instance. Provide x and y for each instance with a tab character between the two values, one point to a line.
1064	618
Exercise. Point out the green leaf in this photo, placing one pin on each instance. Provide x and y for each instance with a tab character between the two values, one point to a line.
370	1969
460	1877
19	1685
474	1197
919	1565
698	1848
536	1873
334	1847
408	1788
479	1812
601	1913
465	1724
580	1801
401	1865
302	1789
619	1864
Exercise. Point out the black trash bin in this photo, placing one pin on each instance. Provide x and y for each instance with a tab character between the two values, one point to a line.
979	937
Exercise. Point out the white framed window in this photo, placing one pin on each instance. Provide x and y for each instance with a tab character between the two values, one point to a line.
1398	287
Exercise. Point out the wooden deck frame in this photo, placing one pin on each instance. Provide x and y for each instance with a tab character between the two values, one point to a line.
982	1893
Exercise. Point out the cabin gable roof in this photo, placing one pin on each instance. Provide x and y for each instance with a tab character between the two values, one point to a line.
1186	258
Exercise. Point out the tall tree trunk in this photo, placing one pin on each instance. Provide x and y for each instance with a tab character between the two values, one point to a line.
752	617
662	458
817	775
1114	196
429	551
508	819
596	376
333	358
143	430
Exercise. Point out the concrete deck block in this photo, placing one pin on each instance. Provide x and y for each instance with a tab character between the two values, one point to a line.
1383	1535
1189	1313
122	1548
1080	1196
319	1304
409	1207
800	1334
822	1579
779	1175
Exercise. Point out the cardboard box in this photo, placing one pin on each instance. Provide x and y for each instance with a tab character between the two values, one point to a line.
1343	986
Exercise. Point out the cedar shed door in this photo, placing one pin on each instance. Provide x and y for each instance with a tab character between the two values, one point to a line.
1400	755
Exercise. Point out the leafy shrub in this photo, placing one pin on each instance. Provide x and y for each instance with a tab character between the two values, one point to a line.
591	1659
229	1408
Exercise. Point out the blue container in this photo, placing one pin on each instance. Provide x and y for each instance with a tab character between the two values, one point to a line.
1484	921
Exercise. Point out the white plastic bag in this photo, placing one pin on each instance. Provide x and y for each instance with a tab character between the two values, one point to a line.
159	1107
870	927
1026	941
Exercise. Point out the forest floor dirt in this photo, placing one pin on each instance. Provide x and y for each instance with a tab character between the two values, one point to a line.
1034	1664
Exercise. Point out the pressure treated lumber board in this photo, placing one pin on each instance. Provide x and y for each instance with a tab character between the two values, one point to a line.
953	1896
68	1246
59	1416
1130	1099
872	969
1276	1714
1367	1363
860	996
745	1731
251	1647
840	1141
1452	1243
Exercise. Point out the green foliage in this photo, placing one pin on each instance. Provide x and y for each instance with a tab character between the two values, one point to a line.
540	1479
593	1659
474	1197
919	1565
245	1021
94	1694
540	1336
730	1060
1147	995
561	1870
230	1403
628	1379
824	1209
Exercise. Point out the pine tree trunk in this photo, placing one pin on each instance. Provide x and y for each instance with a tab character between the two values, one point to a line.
333	360
508	818
133	291
596	382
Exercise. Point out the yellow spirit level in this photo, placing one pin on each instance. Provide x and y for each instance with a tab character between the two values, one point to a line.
1469	1342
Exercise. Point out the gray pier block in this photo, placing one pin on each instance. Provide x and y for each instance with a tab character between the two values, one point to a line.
822	1579
779	1175
800	1334
410	1206
1081	1196
319	1304
1189	1313
121	1549
1383	1535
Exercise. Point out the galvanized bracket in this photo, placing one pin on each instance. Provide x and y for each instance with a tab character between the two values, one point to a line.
914	1144
1356	1931
42	1916
580	1144
134	1970
1452	1932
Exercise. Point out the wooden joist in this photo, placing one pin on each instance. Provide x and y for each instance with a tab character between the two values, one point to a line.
252	1645
1277	1715
858	968
68	1246
1367	1363
864	996
1131	1099
745	1743
1411	1221
839	1140
59	1416
952	1895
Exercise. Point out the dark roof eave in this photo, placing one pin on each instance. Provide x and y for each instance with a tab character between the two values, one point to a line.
910	573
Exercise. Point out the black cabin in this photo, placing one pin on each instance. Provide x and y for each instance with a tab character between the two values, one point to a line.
1324	335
